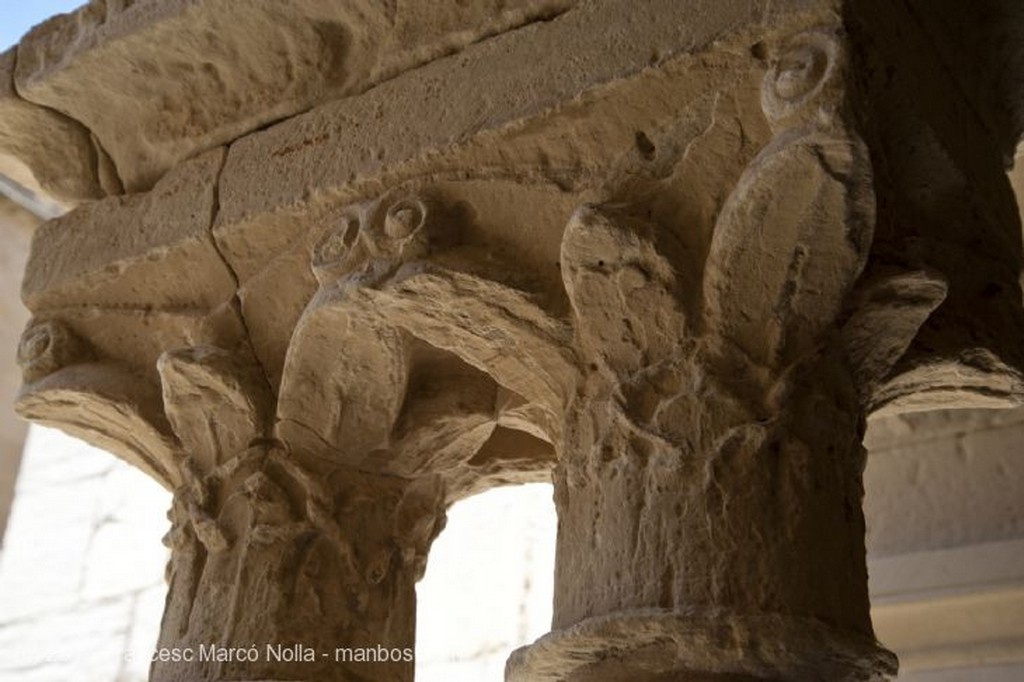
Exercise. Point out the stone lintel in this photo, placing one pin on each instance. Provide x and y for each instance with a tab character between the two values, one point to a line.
186	76
44	151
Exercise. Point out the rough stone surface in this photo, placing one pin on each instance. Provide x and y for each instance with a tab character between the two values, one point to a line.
188	76
947	208
43	150
675	253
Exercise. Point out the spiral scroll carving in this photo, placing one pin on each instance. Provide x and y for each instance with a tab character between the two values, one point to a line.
801	72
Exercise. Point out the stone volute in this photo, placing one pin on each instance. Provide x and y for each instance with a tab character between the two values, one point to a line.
665	254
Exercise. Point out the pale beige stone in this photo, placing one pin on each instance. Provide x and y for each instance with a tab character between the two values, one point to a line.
44	151
186	76
116	252
674	253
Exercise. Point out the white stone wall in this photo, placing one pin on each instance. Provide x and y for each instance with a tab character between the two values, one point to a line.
81	573
945	513
489	585
16	227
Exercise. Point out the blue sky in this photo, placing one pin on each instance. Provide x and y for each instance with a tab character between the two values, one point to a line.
18	16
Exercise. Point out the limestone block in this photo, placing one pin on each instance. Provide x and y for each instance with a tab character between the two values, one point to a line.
45	151
653	248
454	112
148	251
186	76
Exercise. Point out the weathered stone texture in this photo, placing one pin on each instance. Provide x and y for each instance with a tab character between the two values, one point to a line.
188	76
43	150
947	207
150	251
674	252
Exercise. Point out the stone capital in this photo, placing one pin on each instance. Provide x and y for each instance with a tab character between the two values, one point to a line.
667	255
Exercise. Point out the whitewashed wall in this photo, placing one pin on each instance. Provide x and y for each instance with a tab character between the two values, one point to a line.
81	573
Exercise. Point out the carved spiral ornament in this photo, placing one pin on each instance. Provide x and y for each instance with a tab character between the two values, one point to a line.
331	254
799	73
46	347
404	218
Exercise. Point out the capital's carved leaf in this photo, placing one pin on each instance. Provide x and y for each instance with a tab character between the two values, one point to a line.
794	235
492	327
347	367
48	346
100	402
803	86
450	412
367	242
623	289
344	379
349	391
788	246
217	402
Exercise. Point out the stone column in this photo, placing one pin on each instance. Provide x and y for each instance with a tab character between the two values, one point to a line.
283	563
317	586
709	489
301	520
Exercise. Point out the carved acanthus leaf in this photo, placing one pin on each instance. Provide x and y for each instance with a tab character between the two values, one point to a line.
217	402
102	403
109	407
367	242
794	235
347	366
344	380
803	87
492	327
789	245
47	346
623	289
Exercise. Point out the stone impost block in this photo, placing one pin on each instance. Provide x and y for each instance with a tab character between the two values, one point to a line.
186	75
45	151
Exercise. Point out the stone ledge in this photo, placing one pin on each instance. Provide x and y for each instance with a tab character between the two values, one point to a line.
46	152
187	75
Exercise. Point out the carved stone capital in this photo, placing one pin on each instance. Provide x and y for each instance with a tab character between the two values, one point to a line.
709	486
678	268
